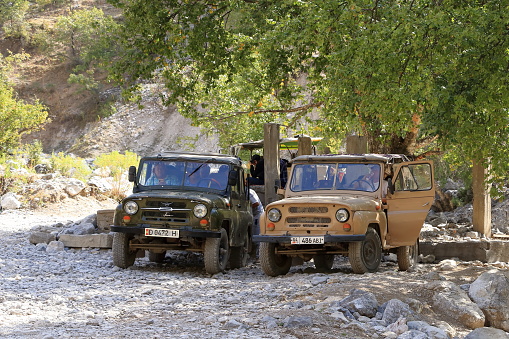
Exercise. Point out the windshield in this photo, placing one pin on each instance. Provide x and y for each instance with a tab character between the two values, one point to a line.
184	173
335	176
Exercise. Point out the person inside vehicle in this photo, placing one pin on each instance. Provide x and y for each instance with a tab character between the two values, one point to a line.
257	171
199	173
340	178
368	182
162	175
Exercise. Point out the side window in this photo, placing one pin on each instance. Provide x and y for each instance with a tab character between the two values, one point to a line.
414	178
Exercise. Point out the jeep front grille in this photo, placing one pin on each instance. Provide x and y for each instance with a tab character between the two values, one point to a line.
172	204
308	209
165	216
314	220
162	211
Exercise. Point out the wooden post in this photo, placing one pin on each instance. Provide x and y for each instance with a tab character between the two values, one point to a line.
481	218
356	144
305	147
271	161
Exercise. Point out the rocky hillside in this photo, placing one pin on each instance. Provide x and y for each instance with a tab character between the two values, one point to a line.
80	121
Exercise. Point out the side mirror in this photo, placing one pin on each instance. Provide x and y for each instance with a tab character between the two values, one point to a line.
233	177
132	173
390	185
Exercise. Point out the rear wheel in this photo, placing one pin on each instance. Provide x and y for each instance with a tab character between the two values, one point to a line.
407	256
366	256
216	254
122	256
324	262
240	254
156	257
273	264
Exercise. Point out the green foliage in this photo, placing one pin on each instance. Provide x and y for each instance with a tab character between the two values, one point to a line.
33	152
399	72
70	166
12	14
17	118
116	162
117	165
87	35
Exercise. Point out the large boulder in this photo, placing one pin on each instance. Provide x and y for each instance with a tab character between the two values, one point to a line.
9	201
491	293
360	301
449	298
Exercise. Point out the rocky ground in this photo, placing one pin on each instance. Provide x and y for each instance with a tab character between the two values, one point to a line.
78	293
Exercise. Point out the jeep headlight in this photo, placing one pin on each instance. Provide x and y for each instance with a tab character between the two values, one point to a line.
131	207
200	210
342	215
274	215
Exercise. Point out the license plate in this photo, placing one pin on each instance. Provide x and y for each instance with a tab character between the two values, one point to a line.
161	232
307	240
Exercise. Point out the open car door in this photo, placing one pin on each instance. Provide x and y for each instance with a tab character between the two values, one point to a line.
409	203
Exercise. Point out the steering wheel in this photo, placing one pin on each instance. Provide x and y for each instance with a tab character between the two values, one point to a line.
362	180
209	182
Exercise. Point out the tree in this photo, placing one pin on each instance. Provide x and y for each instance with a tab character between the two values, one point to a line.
12	13
86	37
17	118
406	73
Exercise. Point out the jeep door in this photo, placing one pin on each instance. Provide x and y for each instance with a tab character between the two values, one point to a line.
410	202
242	215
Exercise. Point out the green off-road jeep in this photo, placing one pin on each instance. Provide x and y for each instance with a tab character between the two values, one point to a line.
354	205
185	201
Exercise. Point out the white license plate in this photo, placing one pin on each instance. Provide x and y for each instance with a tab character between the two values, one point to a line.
161	232
307	240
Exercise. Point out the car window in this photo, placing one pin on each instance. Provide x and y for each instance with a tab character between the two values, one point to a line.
414	177
184	173
335	176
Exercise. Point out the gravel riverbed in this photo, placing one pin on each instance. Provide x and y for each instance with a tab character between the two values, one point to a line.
78	293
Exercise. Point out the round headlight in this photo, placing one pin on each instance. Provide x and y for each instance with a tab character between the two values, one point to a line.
131	207
342	215
200	210
274	215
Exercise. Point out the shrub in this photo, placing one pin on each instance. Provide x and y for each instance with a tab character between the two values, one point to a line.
117	165
70	166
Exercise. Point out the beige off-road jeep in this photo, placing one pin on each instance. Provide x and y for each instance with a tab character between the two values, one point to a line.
359	206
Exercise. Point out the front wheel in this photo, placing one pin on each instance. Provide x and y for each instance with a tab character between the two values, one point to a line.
122	256
240	254
407	256
273	264
366	256
217	253
324	262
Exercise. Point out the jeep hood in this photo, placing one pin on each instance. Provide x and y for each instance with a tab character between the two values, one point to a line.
353	203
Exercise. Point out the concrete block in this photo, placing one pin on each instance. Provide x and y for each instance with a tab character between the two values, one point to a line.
484	251
41	237
105	220
102	240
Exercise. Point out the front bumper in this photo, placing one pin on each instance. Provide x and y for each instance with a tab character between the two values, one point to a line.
183	231
286	239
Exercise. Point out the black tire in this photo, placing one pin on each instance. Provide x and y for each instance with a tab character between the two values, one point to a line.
324	262
217	253
273	264
407	256
366	256
122	256
156	257
240	254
